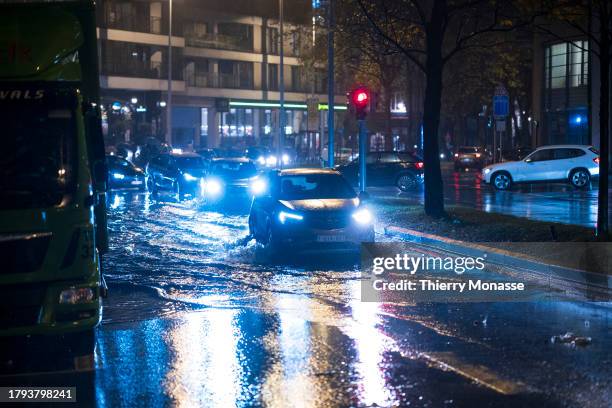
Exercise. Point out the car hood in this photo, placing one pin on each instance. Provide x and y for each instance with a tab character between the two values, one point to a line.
194	172
509	165
322	204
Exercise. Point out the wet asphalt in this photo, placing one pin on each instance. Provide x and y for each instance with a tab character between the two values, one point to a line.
550	202
198	317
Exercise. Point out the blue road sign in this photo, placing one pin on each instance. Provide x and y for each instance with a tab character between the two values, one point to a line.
501	105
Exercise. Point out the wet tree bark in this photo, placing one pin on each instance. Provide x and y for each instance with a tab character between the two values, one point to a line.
604	122
434	192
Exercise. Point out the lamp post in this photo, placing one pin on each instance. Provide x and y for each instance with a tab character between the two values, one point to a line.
169	102
281	88
330	83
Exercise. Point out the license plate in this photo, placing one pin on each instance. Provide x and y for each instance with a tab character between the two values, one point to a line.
136	182
331	238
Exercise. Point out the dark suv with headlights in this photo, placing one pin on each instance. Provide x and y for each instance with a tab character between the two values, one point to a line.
179	173
123	174
309	209
401	169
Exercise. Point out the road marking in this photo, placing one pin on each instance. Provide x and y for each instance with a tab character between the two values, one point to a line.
477	373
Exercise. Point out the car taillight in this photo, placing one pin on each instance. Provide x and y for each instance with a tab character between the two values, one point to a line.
477	155
419	165
596	160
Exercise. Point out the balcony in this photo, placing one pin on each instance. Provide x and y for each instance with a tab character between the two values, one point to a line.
217	80
219	42
141	24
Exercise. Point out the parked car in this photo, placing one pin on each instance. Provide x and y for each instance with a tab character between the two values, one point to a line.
309	209
576	164
401	169
469	157
230	178
179	173
123	174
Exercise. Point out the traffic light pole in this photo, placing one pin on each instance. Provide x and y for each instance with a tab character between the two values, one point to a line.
362	155
330	83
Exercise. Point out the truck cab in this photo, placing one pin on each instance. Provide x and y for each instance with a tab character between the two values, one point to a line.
52	174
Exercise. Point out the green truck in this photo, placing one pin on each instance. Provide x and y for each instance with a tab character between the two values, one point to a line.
52	172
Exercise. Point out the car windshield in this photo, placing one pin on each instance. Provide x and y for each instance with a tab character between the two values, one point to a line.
314	186
410	157
38	155
233	169
191	162
468	150
118	162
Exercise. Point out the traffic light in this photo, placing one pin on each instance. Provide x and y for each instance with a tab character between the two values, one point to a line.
360	99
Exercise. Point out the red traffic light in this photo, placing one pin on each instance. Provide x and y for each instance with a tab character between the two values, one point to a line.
360	97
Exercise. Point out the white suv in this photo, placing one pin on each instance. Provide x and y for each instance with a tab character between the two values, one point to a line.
576	164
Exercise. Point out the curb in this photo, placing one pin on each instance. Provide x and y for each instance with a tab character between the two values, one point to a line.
576	278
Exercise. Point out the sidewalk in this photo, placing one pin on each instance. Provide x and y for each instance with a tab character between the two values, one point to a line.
576	282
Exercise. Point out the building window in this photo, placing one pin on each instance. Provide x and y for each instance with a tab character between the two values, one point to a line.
273	77
566	64
272	40
297	79
236	123
235	74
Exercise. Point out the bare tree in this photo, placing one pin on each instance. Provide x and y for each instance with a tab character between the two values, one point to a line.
430	33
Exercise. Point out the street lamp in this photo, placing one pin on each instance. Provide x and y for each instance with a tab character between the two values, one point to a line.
281	88
169	103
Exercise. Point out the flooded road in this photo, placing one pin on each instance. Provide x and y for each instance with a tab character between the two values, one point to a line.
551	202
196	316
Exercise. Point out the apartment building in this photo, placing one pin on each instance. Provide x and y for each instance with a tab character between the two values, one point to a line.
225	72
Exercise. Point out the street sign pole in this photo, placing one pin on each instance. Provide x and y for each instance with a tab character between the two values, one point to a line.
501	109
362	155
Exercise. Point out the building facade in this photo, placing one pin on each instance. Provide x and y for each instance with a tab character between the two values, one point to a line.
225	73
566	89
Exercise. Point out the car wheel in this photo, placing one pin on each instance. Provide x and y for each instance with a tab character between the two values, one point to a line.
151	186
406	182
252	231
269	241
580	178
501	181
177	190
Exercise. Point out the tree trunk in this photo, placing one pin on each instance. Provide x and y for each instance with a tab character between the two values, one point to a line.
434	192
604	129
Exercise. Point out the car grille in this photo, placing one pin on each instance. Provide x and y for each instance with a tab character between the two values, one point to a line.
23	253
329	221
20	305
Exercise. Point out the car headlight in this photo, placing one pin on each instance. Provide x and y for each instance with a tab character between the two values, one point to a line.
75	296
363	216
212	187
189	177
487	171
271	161
285	158
261	160
258	186
283	216
118	176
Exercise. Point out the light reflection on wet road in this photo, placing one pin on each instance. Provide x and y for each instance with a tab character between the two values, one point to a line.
552	202
195	318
